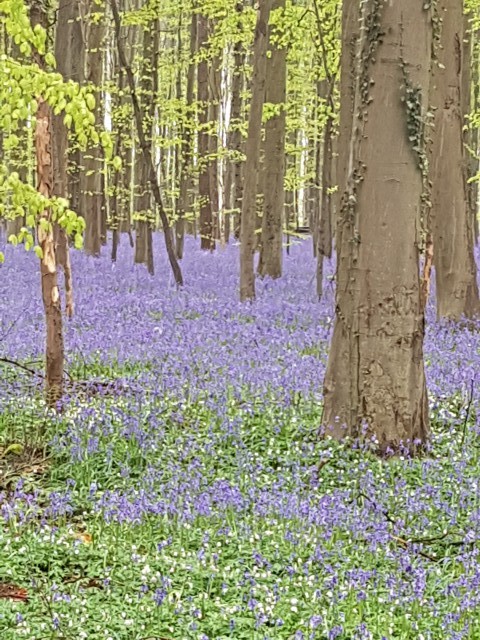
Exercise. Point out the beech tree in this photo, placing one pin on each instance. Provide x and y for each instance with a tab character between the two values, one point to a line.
375	373
453	236
270	262
31	90
207	240
248	215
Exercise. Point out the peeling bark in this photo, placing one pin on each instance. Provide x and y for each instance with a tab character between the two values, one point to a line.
48	263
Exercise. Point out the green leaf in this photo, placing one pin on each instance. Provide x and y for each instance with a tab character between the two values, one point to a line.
78	241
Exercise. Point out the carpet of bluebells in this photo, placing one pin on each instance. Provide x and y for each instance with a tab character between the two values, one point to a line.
184	492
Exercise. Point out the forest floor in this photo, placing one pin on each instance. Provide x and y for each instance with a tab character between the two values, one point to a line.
184	493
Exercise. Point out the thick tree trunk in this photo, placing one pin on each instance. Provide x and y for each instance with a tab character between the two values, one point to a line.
270	263
455	268
248	216
207	240
375	372
92	198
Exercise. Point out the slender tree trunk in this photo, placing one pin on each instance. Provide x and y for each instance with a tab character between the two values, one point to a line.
75	56
65	49
375	373
470	90
234	178
92	200
350	29
324	235
186	152
270	263
143	194
207	241
48	263
232	196
247	223
455	268
214	93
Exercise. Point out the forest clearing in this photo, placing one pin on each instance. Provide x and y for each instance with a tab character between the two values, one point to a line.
239	320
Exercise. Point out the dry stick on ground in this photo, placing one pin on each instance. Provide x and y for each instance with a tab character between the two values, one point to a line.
145	147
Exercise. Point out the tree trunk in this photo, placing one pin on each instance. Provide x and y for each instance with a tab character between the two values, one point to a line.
323	230
73	57
234	178
470	90
186	151
92	199
455	268
270	263
207	240
233	182
214	94
142	194
375	373
48	263
65	40
350	29
248	217
54	352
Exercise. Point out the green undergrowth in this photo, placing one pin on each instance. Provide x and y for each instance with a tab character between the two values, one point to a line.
263	529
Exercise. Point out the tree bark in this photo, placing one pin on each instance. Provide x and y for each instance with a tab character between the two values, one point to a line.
54	348
470	95
248	216
66	38
350	29
233	174
270	263
455	268
186	151
92	205
214	95
375	374
142	193
207	240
